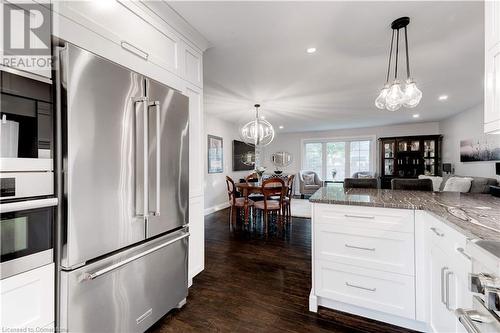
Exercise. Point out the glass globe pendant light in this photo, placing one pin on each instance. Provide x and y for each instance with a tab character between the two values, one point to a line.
394	96
257	132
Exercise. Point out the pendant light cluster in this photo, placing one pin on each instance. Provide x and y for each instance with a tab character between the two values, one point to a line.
258	131
393	96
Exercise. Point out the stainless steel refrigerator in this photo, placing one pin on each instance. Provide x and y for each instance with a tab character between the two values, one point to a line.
122	240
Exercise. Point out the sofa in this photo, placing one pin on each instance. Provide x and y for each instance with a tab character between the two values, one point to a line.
478	184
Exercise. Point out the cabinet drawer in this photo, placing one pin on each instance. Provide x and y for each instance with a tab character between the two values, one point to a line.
444	236
28	299
400	220
374	249
380	291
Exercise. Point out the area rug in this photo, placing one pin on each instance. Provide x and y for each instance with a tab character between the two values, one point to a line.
301	208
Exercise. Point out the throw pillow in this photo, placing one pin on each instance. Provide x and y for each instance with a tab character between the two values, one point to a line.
436	181
364	175
309	180
458	184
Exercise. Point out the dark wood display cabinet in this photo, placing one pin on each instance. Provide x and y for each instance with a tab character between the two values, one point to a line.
409	157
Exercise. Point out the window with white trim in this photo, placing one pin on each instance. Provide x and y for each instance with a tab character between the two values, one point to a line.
338	159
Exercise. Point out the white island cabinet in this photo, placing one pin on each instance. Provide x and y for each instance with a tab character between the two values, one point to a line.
400	266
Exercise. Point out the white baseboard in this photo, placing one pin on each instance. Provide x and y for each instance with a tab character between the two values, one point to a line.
216	208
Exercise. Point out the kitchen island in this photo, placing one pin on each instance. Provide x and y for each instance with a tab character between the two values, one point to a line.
401	257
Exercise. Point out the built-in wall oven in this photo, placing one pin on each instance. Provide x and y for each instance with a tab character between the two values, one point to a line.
26	235
27	202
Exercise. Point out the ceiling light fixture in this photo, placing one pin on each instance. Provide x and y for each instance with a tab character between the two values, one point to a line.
443	97
392	96
258	132
281	127
416	115
311	50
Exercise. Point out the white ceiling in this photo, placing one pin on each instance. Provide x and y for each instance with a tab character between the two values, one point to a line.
258	55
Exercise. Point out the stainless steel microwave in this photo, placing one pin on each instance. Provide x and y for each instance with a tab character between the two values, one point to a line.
26	131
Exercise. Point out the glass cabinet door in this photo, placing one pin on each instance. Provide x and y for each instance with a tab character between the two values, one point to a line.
415	145
389	167
430	166
389	149
429	148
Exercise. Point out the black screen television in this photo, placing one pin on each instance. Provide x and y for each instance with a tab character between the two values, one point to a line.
497	166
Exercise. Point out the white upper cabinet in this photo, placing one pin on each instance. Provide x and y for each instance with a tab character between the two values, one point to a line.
492	67
117	22
193	66
133	35
492	23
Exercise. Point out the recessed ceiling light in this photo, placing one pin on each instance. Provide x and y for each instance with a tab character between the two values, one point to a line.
416	115
311	50
281	127
443	97
262	117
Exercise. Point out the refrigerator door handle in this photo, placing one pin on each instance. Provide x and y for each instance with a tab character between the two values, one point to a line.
156	211
145	162
95	275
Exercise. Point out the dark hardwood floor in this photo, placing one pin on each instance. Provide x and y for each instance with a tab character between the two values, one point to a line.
253	283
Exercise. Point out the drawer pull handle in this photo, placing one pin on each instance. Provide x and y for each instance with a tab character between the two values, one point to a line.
360	216
359	287
443	297
135	50
360	248
440	234
95	275
462	252
448	274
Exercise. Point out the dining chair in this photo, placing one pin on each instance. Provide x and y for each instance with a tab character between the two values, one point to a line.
235	201
253	178
360	183
271	187
412	184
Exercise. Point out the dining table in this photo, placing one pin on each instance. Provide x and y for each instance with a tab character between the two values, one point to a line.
247	188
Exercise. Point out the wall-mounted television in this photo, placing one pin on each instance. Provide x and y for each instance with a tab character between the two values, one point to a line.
243	156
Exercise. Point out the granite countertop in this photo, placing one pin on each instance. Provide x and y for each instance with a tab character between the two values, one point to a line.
477	216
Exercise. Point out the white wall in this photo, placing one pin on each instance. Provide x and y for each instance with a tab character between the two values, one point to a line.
465	125
291	142
215	183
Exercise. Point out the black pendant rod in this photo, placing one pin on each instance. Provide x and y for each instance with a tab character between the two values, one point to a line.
390	58
407	56
397	54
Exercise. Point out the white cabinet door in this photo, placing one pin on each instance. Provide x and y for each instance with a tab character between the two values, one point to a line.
492	90
196	165
492	23
125	25
196	146
192	61
197	237
441	319
27	299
